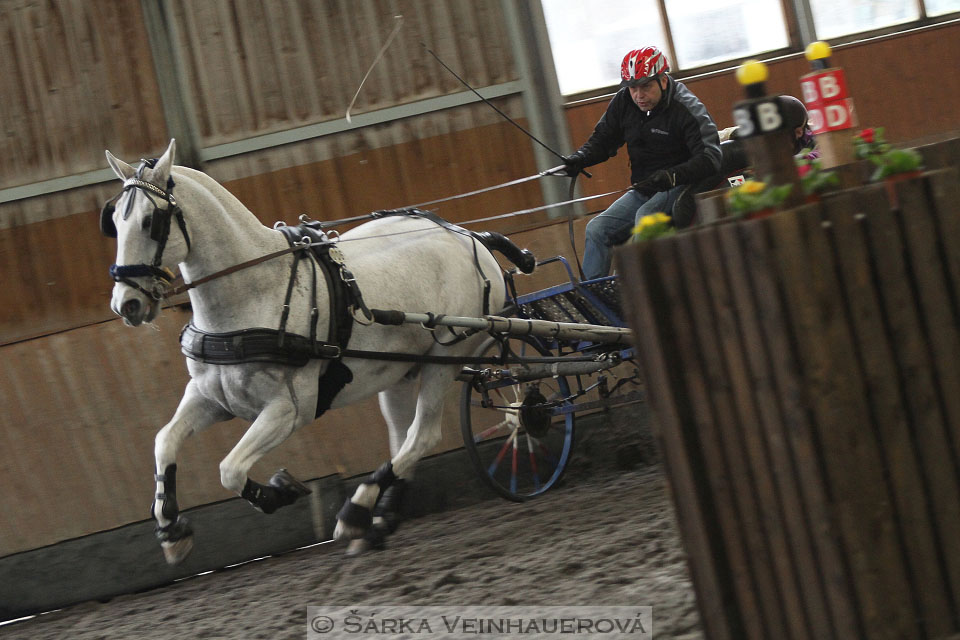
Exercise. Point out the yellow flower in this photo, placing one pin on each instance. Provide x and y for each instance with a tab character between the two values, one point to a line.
651	220
752	186
652	226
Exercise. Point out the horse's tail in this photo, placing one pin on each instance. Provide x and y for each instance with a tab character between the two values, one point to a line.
523	258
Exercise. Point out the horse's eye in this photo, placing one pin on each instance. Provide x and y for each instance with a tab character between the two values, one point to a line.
147	221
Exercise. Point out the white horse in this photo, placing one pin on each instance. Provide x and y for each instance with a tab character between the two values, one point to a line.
168	216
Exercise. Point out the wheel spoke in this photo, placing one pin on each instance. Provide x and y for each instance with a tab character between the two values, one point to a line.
493	432
547	455
489	431
533	464
513	468
498	391
492	469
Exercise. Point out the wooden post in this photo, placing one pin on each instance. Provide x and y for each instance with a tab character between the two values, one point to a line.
762	128
829	107
803	371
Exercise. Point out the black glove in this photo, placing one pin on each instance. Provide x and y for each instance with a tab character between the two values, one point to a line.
659	180
573	164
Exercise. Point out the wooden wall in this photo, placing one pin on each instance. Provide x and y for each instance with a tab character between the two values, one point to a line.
258	67
82	69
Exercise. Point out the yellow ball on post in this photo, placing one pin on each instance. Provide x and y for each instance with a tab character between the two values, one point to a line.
818	53
817	50
752	72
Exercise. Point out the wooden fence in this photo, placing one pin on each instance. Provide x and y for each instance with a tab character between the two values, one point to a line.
804	369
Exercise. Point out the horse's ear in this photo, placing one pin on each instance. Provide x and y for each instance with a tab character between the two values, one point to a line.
162	169
121	168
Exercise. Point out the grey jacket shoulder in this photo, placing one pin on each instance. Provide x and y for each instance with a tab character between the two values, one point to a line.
707	127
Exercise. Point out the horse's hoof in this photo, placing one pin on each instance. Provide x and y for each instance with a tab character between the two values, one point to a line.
357	547
345	531
176	552
284	481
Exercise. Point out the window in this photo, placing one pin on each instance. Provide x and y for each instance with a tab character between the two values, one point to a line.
834	18
589	39
708	31
940	7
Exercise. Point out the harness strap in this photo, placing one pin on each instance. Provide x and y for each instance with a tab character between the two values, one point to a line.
285	309
314	311
343	293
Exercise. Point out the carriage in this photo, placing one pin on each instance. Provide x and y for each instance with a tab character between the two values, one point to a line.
518	420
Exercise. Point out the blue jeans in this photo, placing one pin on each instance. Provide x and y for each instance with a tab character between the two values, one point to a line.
613	226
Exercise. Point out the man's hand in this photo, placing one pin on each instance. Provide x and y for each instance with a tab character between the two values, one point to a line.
573	164
659	180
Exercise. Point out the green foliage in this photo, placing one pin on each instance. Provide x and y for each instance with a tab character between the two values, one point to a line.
754	196
895	161
870	143
813	178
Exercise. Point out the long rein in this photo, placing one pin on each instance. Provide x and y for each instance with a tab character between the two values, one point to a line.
326	224
186	286
377	315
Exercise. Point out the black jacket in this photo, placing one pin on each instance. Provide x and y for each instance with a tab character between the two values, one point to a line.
678	134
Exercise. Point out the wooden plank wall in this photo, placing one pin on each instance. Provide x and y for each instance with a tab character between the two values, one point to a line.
804	371
78	78
257	67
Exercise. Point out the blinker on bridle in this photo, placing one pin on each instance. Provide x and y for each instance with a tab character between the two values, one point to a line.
159	231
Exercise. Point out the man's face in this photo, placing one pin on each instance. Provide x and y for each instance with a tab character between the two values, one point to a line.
647	95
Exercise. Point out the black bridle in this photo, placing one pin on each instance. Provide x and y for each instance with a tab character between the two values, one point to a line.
159	232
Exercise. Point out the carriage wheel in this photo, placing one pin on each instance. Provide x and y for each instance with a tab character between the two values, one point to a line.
520	441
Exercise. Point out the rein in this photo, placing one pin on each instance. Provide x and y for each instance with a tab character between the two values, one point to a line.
186	286
160	228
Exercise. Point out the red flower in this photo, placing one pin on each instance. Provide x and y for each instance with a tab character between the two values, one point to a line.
804	169
867	135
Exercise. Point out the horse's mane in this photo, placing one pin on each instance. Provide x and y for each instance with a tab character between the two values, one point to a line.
217	190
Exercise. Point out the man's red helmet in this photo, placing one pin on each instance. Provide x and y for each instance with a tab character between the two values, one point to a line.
642	65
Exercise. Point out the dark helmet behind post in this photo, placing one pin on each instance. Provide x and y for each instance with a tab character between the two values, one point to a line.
641	66
794	113
795	116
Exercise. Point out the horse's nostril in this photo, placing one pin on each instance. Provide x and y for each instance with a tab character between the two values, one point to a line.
130	308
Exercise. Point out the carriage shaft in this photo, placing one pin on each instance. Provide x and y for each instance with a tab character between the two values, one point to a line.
538	371
521	327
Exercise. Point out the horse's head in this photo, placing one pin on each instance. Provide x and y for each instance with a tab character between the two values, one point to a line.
148	244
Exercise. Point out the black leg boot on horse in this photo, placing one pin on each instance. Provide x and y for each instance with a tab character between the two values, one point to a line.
386	519
358	518
176	537
283	490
